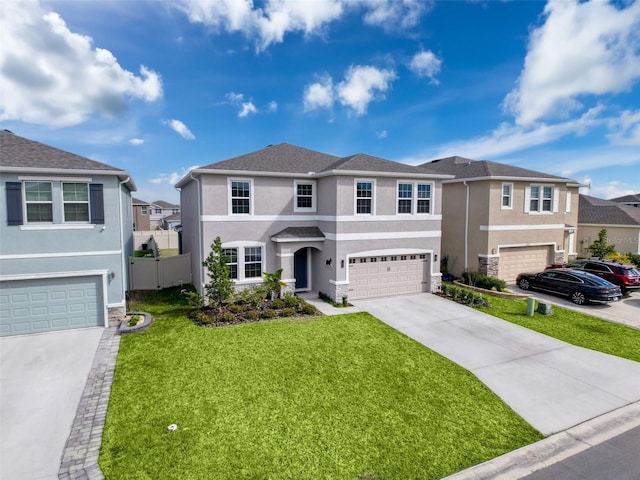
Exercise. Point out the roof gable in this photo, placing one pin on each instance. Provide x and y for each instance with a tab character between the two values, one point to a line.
367	163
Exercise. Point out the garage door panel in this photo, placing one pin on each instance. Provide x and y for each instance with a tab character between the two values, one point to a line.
41	305
389	275
516	260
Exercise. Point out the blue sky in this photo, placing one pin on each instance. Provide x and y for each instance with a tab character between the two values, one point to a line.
157	88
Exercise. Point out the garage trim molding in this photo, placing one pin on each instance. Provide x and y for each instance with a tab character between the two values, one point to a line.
82	273
506	228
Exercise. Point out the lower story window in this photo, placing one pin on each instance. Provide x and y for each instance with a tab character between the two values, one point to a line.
252	262
232	261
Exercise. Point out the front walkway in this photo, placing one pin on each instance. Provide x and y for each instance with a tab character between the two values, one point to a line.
551	384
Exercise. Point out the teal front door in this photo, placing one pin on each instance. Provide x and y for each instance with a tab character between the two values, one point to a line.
301	269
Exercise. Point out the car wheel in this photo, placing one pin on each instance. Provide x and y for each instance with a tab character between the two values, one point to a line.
524	284
578	298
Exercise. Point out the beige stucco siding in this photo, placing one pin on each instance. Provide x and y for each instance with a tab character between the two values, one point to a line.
625	239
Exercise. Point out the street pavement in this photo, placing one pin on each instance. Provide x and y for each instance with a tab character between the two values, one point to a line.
42	378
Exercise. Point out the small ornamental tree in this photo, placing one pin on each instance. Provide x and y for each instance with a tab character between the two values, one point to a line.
600	248
220	286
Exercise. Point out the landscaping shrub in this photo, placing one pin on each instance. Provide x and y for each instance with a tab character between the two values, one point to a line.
463	295
278	303
309	309
235	308
200	317
193	298
291	301
634	258
288	312
254	296
251	315
483	281
269	313
133	321
227	317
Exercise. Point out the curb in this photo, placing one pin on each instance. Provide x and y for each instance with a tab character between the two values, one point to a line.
555	448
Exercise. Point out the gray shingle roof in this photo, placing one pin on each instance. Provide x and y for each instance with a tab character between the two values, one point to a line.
627	199
163	204
592	210
463	167
286	158
137	201
299	232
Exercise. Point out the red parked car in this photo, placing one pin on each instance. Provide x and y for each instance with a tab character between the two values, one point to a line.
625	276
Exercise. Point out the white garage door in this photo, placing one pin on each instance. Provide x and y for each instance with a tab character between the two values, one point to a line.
515	260
371	277
47	304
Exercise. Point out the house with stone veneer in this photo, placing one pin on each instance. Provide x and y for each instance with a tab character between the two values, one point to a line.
66	231
502	220
356	227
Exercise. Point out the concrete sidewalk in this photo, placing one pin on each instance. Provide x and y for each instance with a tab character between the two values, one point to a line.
551	384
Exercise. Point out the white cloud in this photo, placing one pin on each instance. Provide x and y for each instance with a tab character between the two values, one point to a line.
248	108
382	134
53	76
173	177
583	48
426	64
625	129
181	129
362	85
272	107
319	94
136	141
235	98
273	19
611	189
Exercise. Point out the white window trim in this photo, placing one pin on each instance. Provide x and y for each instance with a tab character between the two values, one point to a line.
314	194
229	198
25	202
241	245
372	181
502	195
414	198
64	202
555	192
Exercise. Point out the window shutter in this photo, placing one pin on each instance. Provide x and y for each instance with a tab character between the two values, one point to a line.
556	199
14	203
567	203
527	199
96	203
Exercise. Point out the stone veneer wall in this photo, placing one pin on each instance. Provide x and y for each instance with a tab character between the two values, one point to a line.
116	315
558	256
339	291
489	266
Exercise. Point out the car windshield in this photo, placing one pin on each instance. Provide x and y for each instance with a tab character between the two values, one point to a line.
632	272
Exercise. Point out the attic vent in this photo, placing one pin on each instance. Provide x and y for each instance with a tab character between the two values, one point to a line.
436	161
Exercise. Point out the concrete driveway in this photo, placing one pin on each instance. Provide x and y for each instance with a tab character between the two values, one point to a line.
42	378
551	384
627	311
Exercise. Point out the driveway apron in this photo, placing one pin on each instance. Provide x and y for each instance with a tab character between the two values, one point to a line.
553	385
42	378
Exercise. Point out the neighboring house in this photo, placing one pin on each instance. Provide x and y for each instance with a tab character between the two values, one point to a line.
633	200
141	214
502	220
66	233
356	227
621	220
167	209
171	222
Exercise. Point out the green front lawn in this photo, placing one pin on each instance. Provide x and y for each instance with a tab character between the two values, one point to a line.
571	327
342	397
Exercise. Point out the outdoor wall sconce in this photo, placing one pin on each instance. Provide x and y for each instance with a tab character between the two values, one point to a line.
435	257
328	262
493	251
341	263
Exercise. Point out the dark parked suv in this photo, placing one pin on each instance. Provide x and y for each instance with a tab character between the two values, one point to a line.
625	276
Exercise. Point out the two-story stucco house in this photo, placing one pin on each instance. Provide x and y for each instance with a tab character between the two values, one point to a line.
356	227
66	231
502	220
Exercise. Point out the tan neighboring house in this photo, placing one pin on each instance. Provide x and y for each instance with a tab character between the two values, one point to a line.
164	215
502	220
355	227
620	219
141	214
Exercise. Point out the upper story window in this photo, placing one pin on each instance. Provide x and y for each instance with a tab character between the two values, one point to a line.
541	199
143	209
364	197
75	200
33	201
175	211
158	211
507	194
240	197
38	199
305	196
424	198
405	197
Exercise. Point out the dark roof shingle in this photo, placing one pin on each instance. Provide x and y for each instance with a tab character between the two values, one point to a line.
592	210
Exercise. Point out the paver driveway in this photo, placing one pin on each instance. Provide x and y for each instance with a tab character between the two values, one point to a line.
551	384
42	378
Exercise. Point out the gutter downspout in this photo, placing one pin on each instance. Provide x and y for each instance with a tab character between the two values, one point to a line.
200	252
125	271
466	229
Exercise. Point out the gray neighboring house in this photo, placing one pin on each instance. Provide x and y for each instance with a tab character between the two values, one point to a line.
619	218
355	227
502	220
66	232
632	200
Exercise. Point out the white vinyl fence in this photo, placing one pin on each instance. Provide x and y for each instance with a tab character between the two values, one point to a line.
163	238
159	273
